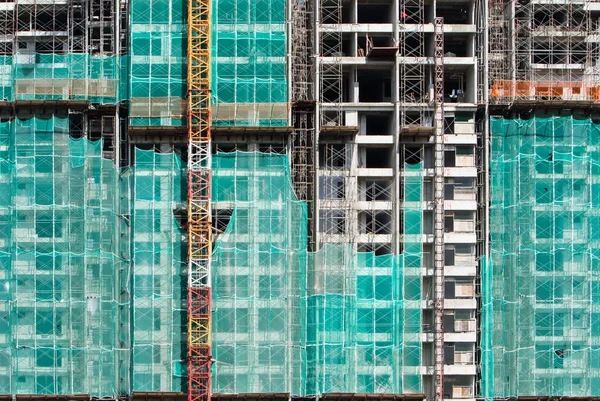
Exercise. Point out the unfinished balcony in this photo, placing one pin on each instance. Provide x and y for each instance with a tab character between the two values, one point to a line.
375	128
460	81
375	226
459	358
459	293
42	20
460	260
459	226
458	387
375	193
556	19
459	188
376	124
376	162
460	326
458	46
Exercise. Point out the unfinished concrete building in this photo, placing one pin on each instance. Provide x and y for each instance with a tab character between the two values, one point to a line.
330	199
380	73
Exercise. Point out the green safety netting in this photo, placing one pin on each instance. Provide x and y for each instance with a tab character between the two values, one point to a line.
541	288
158	62
248	62
259	277
92	282
69	287
159	274
286	320
38	76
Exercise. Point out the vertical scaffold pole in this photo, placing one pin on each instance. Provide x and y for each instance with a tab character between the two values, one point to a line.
439	209
199	200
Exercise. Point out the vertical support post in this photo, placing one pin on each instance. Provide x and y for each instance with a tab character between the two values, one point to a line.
303	161
303	111
199	200
481	50
414	91
330	78
497	46
439	209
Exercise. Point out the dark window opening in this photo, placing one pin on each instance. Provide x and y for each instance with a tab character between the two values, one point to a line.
51	46
374	13
454	88
464	182
332	156
378	124
331	12
378	158
448	323
455	47
332	221
449	289
331	187
221	218
448	125
454	14
411	14
376	223
579	53
24	20
449	223
449	158
413	155
413	46
449	191
374	86
378	191
448	354
449	256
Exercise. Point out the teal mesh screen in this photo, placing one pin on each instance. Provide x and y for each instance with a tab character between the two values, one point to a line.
40	76
249	79
158	62
541	288
84	245
290	321
159	307
66	238
248	63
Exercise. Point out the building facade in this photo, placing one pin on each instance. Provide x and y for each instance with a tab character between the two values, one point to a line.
395	196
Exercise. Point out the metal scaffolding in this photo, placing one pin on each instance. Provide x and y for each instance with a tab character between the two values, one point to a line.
330	65
414	95
199	200
542	52
303	110
497	34
337	194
